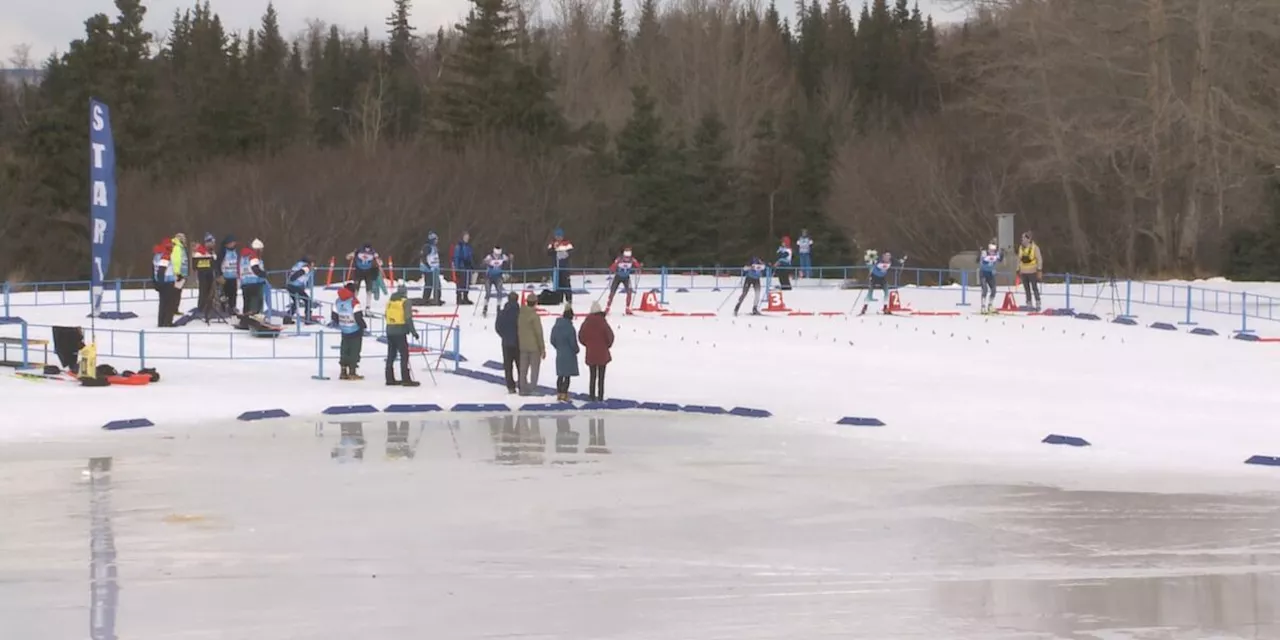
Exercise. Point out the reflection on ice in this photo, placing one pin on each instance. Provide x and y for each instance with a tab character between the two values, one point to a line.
657	527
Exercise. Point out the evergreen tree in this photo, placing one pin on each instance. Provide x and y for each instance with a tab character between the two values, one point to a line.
712	234
404	91
617	32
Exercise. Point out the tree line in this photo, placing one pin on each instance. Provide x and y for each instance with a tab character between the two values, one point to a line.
1133	136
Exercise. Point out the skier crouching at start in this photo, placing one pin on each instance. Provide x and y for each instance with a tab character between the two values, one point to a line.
621	269
988	260
751	275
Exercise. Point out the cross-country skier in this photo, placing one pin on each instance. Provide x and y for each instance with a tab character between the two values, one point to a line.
783	263
1030	269
463	265
297	282
751	275
429	262
622	268
229	265
560	249
349	318
368	271
493	263
804	247
202	259
988	260
252	276
880	276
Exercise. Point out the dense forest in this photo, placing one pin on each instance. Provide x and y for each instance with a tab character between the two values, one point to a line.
1133	136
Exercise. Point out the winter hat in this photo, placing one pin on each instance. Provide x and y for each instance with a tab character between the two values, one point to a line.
402	287
786	241
349	285
208	237
568	312
230	239
432	237
513	297
595	307
256	244
559	233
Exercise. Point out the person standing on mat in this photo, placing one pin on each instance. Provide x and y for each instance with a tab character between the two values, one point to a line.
533	346
165	281
399	317
1030	269
597	338
560	250
508	328
804	247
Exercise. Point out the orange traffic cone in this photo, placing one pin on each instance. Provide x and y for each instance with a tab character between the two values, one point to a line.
895	303
1009	304
776	303
649	302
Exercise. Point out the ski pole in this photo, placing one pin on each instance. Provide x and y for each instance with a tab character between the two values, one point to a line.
856	300
731	292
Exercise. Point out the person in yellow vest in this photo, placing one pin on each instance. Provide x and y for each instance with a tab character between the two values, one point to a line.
399	327
180	268
1030	269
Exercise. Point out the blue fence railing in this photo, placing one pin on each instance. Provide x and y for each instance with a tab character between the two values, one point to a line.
1064	290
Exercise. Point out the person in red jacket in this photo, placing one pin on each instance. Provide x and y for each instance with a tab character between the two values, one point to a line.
596	336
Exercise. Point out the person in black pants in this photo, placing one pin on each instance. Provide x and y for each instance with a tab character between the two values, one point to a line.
227	263
507	326
202	259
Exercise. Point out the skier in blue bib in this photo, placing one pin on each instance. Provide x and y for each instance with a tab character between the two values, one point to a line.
751	275
493	263
988	261
298	282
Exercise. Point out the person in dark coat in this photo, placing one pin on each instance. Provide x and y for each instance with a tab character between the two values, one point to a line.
565	343
508	329
597	337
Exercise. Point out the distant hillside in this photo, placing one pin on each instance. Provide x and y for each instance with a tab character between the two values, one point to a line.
17	77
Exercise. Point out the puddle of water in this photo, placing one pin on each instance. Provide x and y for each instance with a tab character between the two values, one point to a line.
599	526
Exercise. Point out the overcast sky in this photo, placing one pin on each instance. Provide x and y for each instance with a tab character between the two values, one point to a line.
48	26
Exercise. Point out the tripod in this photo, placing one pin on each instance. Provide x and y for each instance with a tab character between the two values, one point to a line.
1110	287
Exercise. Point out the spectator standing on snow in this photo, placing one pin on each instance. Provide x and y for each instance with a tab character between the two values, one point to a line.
1030	269
782	263
202	260
164	280
350	320
508	327
533	346
399	318
804	247
596	336
430	265
564	341
463	264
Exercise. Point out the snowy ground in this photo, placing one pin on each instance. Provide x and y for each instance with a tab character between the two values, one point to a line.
952	521
970	384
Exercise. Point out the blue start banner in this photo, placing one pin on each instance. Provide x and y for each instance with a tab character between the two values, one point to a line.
102	195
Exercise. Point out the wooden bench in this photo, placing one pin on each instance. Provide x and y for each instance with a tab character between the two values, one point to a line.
5	341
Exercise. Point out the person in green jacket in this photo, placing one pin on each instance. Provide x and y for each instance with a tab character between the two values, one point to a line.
399	318
533	347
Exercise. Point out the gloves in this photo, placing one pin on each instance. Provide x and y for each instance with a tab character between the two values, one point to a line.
178	284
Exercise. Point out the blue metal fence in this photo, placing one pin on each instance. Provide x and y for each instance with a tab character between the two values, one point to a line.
1070	289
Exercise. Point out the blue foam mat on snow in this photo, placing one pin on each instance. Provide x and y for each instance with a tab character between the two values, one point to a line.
262	414
750	413
349	409
704	408
481	407
855	421
1071	441
134	423
412	408
1267	461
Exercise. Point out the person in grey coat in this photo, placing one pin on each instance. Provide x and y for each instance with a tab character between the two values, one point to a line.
533	346
508	327
565	341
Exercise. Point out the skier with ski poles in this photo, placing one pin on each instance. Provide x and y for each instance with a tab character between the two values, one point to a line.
988	260
621	269
494	263
751	275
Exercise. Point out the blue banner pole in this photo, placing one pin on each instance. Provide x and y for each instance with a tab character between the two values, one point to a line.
102	203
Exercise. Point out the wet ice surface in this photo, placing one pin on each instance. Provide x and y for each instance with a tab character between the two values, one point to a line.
623	526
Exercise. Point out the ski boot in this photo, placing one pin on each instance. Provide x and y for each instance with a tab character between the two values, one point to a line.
345	374
756	312
353	375
735	311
